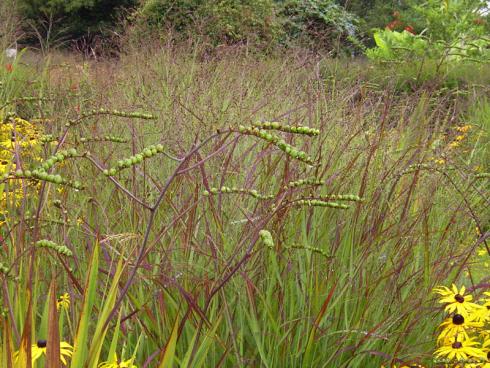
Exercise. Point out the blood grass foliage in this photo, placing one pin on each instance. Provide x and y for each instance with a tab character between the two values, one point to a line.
184	278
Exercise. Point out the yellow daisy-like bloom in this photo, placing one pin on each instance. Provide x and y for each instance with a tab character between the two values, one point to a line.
39	349
440	161
486	350
456	301
114	363
406	366
457	325
459	138
63	301
460	350
463	129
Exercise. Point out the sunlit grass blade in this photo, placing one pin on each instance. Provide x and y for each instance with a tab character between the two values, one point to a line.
169	355
24	358
200	356
7	351
101	327
81	344
311	338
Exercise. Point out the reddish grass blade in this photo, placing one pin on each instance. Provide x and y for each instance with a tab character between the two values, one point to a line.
323	309
53	340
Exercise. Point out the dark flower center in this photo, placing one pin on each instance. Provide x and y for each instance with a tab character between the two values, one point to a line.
459	298
458	319
457	345
488	355
41	343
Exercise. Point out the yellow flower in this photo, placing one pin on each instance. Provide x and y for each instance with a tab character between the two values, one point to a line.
440	161
463	129
486	350
481	314
458	326
406	366
39	349
459	138
63	301
460	350
456	301
454	144
114	363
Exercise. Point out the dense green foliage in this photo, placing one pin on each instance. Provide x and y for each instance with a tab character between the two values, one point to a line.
319	23
72	18
222	21
316	24
451	31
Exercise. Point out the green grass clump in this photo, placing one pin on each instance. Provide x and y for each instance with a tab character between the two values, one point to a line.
311	238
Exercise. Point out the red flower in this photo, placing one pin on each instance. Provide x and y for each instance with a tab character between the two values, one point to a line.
410	29
9	67
394	24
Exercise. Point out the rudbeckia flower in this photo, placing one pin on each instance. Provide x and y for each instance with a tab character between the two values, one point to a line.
63	301
457	325
114	363
460	350
456	301
39	349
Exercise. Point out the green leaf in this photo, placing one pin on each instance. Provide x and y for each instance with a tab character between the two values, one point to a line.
80	349
168	357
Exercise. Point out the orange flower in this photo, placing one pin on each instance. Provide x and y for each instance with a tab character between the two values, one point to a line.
410	29
9	67
394	24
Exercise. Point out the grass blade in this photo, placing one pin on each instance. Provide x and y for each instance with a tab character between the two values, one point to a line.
169	355
53	340
80	348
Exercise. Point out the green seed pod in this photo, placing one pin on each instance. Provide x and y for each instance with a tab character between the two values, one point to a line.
320	203
266	238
